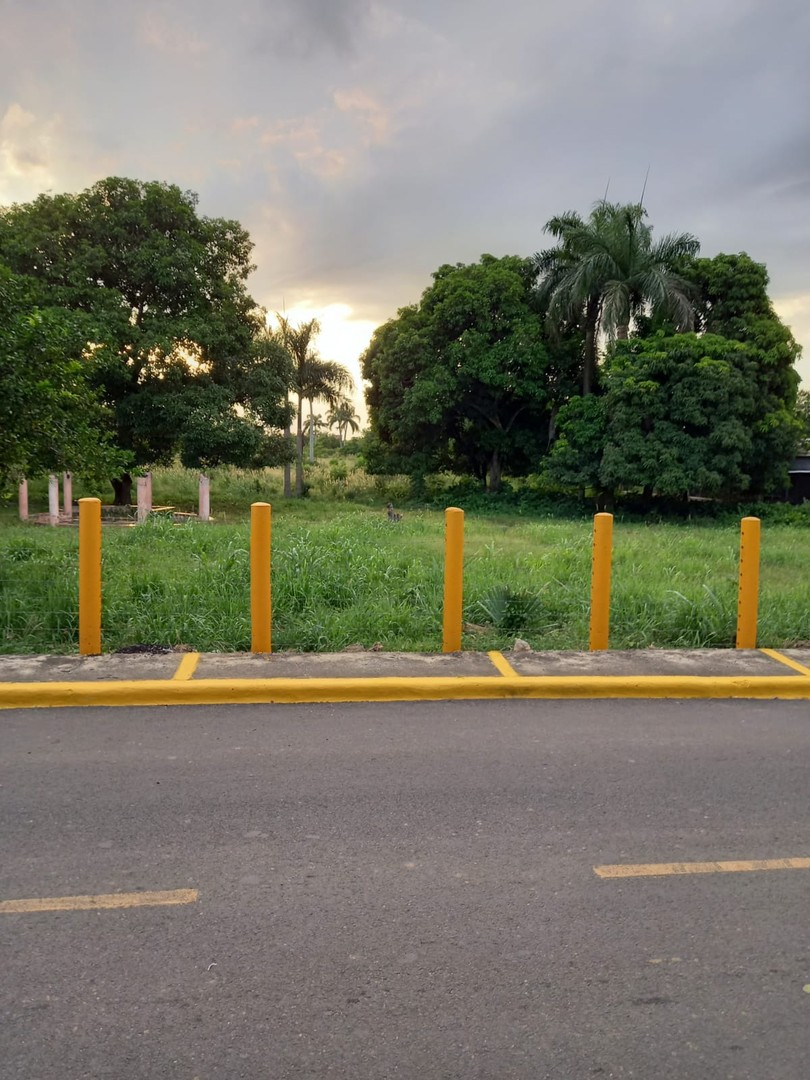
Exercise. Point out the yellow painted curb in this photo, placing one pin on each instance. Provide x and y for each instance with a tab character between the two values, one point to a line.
267	691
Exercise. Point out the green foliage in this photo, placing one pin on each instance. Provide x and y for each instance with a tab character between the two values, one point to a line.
50	419
159	295
214	436
734	302
576	457
680	413
606	271
465	380
511	609
712	414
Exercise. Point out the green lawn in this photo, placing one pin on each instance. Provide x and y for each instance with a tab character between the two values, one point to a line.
343	574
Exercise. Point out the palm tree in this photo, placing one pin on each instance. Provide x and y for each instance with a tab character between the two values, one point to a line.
313	380
606	270
344	418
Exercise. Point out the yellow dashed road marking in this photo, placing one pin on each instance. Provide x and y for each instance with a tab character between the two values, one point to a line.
93	903
661	869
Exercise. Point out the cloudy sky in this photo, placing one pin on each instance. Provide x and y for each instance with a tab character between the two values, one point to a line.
365	142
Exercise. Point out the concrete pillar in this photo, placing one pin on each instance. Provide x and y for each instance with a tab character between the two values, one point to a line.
67	494
149	490
53	499
204	513
144	503
24	500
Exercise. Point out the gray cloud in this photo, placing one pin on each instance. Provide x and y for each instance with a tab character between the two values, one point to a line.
297	28
363	143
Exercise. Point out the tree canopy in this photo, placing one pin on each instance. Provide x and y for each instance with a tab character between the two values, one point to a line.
606	271
172	336
465	379
50	419
677	416
733	302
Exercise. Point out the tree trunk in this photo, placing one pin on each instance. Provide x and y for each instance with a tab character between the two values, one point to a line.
123	490
287	478
299	450
622	332
591	326
287	441
311	436
494	473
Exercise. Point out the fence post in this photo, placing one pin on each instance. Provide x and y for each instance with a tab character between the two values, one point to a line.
144	505
89	577
67	494
453	579
748	592
53	499
204	512
149	491
600	581
261	607
23	500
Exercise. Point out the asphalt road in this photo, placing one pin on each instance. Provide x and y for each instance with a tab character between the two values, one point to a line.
407	891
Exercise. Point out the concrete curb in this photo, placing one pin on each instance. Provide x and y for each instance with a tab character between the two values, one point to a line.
284	690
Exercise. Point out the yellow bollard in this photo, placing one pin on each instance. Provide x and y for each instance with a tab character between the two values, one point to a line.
453	578
748	594
261	608
600	581
89	577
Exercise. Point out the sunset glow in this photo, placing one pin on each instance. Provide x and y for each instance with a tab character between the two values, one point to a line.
342	338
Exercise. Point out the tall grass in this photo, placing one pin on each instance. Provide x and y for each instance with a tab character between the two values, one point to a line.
346	575
333	478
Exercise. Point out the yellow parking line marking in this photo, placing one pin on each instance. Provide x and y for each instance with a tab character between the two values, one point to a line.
774	655
502	664
187	666
93	903
661	869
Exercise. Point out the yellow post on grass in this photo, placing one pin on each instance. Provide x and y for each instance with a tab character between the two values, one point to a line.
89	577
748	594
453	578
261	609
600	581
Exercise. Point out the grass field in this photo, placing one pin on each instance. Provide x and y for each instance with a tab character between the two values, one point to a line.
342	574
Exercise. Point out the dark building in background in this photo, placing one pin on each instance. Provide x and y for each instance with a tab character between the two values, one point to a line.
799	489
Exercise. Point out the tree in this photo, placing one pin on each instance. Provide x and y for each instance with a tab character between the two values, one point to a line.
344	418
679	413
464	379
676	417
605	271
161	295
733	301
576	457
313	379
50	419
